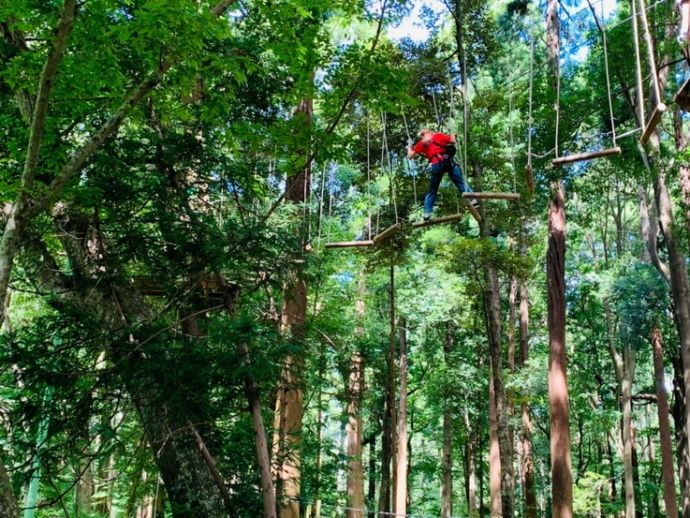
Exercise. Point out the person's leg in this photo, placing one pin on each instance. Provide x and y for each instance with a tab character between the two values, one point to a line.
430	198
458	179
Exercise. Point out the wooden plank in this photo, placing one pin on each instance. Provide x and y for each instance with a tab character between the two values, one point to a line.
491	196
653	122
581	157
349	244
438	221
682	97
382	236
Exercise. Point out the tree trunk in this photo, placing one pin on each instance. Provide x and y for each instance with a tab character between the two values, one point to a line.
529	490
561	468
191	487
470	469
494	453
401	463
628	446
371	493
668	476
492	309
447	461
355	472
680	288
387	446
289	413
251	391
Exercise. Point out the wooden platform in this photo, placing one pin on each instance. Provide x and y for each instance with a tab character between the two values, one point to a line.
682	97
350	244
652	123
491	196
581	157
438	221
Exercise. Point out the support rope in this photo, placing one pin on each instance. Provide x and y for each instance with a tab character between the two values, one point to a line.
638	65
411	168
602	31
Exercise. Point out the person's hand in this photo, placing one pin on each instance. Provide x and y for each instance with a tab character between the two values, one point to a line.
410	143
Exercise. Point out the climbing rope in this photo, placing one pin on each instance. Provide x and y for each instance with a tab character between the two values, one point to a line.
410	165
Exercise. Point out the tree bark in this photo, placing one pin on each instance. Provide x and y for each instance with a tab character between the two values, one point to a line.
401	463
667	474
387	446
470	467
447	461
494	453
529	489
561	467
371	492
628	445
289	403
492	311
355	472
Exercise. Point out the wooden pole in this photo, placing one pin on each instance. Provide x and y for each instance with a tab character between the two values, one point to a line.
349	244
581	157
653	122
438	221
491	196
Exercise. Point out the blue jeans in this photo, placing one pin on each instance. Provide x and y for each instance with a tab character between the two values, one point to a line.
437	171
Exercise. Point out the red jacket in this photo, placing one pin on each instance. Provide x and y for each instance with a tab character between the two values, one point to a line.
435	147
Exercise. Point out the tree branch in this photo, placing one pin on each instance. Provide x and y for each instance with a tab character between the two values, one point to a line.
45	88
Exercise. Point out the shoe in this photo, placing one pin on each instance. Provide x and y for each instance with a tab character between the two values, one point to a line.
427	217
475	204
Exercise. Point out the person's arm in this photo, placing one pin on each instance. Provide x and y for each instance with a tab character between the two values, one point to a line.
415	150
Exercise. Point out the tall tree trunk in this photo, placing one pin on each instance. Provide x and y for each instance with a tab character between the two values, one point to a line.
494	453
401	462
289	403
251	391
492	311
388	442
529	490
561	467
624	366
512	310
470	467
355	472
447	461
680	287
668	476
371	493
628	446
682	454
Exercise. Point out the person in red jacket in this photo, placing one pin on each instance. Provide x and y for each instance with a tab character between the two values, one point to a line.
439	149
